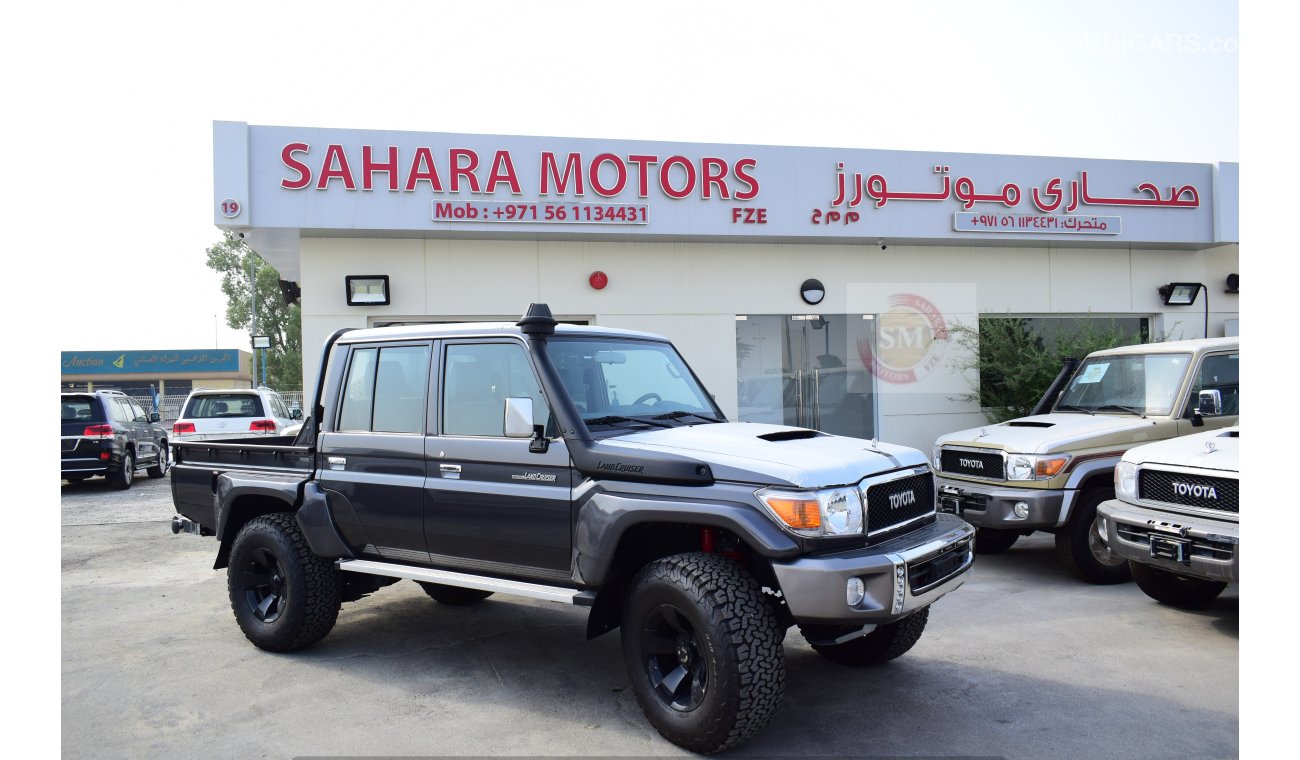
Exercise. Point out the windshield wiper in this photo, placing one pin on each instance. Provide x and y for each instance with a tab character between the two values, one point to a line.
681	414
1072	408
1122	408
612	418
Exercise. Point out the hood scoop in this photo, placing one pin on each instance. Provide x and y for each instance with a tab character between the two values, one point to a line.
790	435
1025	423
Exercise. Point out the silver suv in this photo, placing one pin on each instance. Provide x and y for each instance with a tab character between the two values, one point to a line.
1174	517
216	413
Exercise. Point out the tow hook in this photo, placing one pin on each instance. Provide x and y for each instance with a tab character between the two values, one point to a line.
181	524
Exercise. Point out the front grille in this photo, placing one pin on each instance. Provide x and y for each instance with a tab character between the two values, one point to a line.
977	464
898	501
1199	491
1201	547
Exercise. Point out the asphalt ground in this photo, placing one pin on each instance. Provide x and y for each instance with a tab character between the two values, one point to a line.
1023	661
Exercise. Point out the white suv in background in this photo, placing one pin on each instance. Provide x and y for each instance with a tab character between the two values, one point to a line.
233	413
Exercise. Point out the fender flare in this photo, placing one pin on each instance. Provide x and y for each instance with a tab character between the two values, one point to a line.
231	487
1085	470
605	517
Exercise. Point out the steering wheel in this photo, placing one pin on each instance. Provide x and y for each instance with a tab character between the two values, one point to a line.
646	398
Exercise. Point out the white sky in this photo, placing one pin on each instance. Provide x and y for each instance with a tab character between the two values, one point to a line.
109	109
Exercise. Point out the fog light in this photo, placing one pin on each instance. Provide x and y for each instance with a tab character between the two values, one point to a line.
900	587
1021	509
1101	528
854	591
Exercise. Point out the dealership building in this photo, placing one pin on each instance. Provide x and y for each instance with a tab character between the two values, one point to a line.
811	286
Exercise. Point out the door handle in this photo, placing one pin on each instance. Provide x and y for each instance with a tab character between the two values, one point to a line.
450	471
337	463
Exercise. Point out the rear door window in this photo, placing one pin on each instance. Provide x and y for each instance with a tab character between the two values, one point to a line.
137	412
359	391
386	390
120	410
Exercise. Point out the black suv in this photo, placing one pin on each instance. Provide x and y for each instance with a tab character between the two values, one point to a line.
107	433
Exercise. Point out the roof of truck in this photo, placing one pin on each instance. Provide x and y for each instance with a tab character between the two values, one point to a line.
482	330
1173	347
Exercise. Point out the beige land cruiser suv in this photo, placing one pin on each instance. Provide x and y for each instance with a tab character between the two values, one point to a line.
1050	471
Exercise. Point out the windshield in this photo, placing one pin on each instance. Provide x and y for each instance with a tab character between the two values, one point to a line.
630	379
1141	383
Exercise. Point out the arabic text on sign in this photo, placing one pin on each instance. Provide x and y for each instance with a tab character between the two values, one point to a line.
963	221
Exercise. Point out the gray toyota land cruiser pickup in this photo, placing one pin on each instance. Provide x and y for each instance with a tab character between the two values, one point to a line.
586	466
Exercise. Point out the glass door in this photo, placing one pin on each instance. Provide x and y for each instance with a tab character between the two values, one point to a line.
807	370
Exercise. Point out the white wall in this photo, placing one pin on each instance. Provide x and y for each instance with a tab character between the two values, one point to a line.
691	292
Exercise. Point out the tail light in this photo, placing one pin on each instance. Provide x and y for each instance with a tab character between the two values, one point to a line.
262	426
98	431
181	428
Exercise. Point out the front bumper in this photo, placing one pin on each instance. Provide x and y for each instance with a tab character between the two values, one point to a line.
1191	546
901	576
993	506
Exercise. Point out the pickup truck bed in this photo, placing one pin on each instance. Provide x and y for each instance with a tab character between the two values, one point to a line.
198	466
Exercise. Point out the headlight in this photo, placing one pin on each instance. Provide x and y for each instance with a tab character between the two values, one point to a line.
1126	478
829	512
1020	467
934	458
1030	467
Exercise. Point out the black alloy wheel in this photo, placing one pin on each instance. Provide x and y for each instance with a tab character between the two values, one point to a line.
672	648
263	581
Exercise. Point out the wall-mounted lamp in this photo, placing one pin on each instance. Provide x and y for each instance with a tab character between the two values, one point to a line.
812	292
367	289
290	291
1184	294
1232	282
1180	293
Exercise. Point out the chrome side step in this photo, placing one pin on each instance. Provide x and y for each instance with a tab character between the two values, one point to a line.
465	580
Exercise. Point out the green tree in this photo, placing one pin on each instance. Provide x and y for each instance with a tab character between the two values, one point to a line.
283	323
1015	363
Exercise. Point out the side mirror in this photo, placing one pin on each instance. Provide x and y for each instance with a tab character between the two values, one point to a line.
295	413
1210	403
155	417
519	417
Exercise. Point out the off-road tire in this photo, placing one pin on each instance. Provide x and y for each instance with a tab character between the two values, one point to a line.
729	637
1077	542
270	558
994	540
885	643
159	470
1174	589
120	479
453	595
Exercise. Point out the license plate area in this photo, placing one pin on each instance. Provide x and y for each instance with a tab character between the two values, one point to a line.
1174	549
